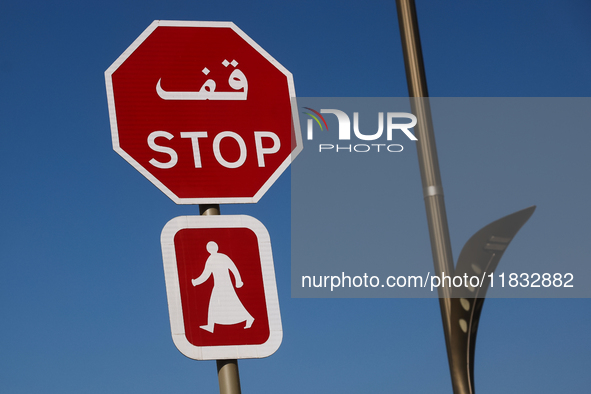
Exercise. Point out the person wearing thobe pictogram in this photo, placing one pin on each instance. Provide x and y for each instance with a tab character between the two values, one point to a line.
224	305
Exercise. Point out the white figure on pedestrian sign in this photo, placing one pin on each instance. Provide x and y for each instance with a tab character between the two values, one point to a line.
224	305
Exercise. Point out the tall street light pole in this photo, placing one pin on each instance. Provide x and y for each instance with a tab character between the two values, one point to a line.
429	167
460	308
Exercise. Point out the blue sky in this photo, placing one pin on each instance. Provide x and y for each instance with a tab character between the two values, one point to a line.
82	290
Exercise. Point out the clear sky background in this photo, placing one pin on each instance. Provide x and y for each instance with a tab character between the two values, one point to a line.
82	294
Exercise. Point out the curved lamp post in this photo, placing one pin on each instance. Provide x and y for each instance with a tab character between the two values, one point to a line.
460	312
479	257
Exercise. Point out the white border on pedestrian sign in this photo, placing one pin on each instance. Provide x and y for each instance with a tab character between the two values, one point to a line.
173	292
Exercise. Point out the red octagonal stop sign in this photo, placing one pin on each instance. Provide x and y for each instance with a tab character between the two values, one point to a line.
203	112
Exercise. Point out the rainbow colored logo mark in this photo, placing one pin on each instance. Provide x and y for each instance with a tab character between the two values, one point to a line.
316	118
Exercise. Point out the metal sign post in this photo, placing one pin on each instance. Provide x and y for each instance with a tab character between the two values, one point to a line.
228	376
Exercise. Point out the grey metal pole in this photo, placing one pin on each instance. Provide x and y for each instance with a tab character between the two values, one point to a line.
209	209
429	167
228	377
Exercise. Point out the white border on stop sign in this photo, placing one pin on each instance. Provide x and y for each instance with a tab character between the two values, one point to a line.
209	200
